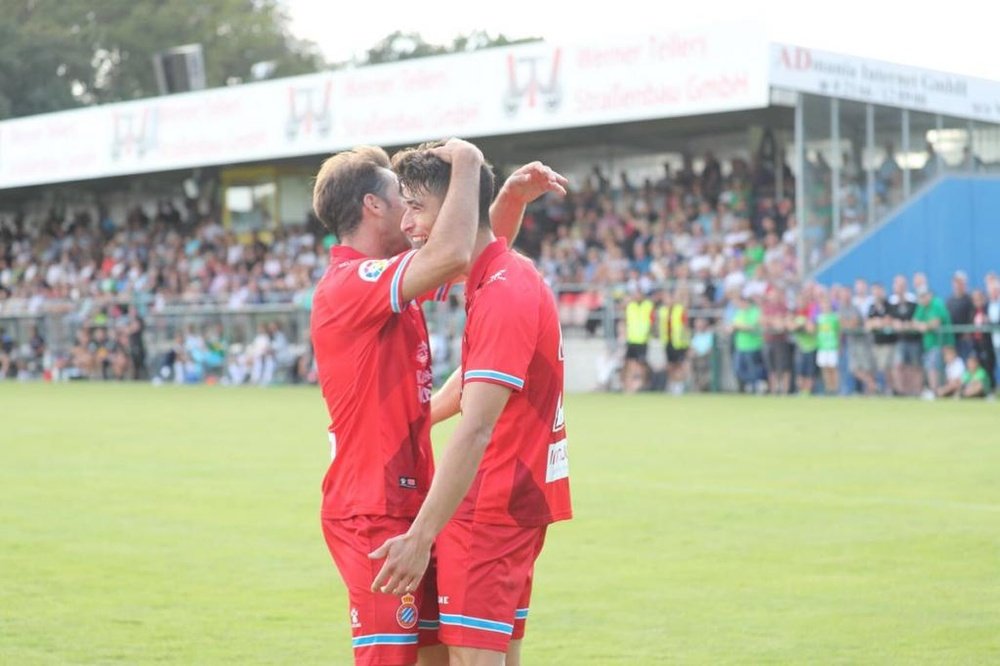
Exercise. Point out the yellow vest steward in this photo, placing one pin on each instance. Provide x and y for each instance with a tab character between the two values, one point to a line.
680	334
638	322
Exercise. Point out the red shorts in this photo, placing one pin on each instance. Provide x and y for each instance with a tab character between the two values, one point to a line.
484	582
386	630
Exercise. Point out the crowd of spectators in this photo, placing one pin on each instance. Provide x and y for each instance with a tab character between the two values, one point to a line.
711	227
710	246
175	255
900	339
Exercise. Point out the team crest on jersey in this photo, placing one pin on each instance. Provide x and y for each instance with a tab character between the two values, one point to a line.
371	270
406	614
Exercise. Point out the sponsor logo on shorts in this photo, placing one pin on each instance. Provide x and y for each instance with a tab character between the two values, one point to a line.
406	614
407	482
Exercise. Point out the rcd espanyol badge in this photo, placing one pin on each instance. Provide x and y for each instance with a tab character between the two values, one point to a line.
406	614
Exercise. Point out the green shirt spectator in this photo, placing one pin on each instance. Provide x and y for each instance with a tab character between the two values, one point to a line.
749	334
828	331
931	310
755	257
805	339
978	376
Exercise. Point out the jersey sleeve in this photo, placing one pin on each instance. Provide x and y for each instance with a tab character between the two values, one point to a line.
371	290
439	295
502	337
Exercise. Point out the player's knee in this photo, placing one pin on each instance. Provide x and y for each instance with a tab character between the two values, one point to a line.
462	656
513	654
436	655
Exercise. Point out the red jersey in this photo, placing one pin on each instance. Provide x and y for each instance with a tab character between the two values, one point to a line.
374	366
512	338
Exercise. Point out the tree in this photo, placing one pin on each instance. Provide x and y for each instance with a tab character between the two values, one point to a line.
401	45
61	53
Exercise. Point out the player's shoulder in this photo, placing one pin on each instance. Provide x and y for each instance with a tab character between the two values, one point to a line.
510	276
359	270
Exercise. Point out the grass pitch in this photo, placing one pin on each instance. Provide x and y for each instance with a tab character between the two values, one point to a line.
177	525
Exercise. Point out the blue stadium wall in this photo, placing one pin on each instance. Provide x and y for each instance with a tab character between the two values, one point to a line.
953	225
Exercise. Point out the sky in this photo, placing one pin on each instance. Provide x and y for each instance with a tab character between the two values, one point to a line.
957	36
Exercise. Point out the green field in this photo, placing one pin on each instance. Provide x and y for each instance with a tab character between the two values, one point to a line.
180	525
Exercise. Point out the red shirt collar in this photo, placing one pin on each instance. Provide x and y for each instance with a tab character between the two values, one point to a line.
345	252
482	263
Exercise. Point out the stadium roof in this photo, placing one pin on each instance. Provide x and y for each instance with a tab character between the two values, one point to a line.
516	91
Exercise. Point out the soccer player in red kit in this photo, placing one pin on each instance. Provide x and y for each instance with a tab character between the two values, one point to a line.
505	474
373	357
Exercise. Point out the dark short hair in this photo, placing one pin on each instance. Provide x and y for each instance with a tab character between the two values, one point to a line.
342	183
419	170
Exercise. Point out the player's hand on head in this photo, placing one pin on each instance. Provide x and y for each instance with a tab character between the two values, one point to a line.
455	148
406	561
535	179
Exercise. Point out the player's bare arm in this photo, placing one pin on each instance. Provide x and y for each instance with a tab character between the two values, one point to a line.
406	556
447	401
449	245
522	187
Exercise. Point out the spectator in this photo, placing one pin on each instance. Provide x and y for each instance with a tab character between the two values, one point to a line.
982	341
884	337
862	299
137	345
702	344
828	343
960	309
993	316
119	363
860	355
102	347
932	319
82	356
778	354
6	353
36	352
909	348
975	383
748	343
262	356
803	328
889	178
954	374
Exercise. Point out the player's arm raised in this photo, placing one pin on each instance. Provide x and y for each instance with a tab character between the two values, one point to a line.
449	244
521	188
407	555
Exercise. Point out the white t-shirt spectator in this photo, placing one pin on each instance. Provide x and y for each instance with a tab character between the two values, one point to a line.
702	262
754	288
272	267
734	281
955	370
234	254
54	275
737	238
774	254
213	231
